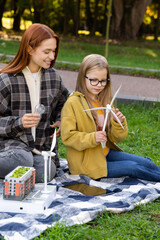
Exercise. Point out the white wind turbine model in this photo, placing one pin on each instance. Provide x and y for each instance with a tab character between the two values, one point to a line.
48	155
40	109
108	109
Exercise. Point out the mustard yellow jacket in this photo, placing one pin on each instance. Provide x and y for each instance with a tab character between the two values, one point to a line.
84	154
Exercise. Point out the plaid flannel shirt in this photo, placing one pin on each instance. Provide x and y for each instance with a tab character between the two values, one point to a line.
15	102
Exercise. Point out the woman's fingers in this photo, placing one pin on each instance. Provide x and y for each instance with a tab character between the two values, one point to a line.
30	120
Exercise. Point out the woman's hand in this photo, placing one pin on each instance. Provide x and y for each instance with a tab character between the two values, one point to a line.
119	115
100	136
30	120
58	131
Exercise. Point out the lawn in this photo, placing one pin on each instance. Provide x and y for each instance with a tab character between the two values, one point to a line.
144	221
122	55
137	54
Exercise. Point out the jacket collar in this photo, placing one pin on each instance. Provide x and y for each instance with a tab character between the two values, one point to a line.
83	102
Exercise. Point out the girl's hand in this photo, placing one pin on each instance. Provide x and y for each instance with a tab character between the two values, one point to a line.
119	115
57	125
30	120
100	136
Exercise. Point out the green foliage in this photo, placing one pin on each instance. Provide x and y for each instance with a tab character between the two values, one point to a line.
68	16
62	149
20	172
144	132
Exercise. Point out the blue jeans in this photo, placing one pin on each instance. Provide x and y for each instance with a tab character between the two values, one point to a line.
121	164
12	158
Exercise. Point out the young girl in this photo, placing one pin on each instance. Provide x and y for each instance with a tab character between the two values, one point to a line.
82	131
30	80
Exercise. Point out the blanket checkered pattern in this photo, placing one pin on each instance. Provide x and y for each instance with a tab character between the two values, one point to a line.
117	195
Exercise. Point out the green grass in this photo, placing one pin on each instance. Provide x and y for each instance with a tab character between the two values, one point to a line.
144	130
128	56
144	221
141	54
139	224
9	47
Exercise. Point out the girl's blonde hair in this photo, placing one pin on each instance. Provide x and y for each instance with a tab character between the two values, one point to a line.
89	63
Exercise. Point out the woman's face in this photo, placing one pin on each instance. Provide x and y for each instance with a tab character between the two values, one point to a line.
43	55
95	74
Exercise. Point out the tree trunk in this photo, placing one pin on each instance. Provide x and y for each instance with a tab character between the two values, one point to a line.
17	20
104	22
128	17
117	15
66	16
18	12
2	4
94	26
37	14
39	9
107	28
88	15
77	17
157	24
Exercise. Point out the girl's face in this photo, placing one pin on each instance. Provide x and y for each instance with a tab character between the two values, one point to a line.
95	74
42	55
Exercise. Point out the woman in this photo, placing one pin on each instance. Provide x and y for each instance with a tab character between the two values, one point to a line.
27	81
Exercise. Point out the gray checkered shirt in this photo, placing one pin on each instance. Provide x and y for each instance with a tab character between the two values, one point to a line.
15	102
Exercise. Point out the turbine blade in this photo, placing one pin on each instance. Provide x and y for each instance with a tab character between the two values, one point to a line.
53	141
105	120
49	168
94	109
115	96
117	119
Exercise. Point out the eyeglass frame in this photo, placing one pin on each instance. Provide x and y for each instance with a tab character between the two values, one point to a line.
99	81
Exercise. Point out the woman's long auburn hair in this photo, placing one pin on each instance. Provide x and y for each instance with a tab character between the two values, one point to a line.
89	63
32	37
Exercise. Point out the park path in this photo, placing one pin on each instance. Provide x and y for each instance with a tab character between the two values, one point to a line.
139	87
132	89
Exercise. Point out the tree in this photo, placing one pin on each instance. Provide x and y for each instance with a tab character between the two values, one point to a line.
69	16
2	4
41	11
157	21
95	18
19	7
77	17
127	17
104	22
107	28
66	16
88	15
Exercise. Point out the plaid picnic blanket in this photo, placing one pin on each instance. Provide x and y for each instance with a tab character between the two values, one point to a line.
78	200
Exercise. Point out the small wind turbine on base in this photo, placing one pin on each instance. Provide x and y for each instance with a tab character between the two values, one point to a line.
108	109
40	109
48	155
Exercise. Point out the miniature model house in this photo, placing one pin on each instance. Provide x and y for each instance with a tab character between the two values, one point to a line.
19	183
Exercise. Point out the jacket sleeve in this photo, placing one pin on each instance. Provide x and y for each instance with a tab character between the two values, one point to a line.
71	136
10	126
117	133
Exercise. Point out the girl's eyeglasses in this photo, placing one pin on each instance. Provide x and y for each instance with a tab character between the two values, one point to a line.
95	81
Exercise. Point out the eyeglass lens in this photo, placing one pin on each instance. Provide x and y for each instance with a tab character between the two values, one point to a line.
95	82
